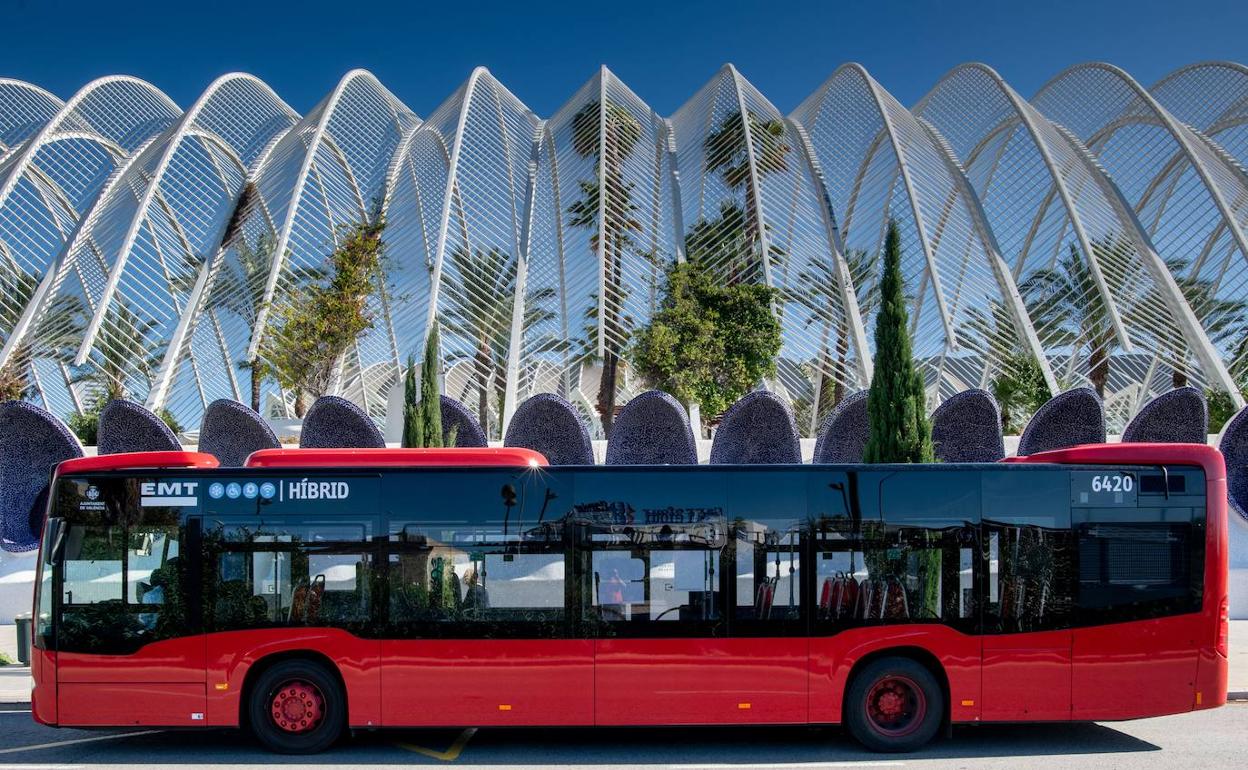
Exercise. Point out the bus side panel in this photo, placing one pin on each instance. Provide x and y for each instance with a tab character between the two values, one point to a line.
151	705
169	660
43	696
1027	676
702	681
833	657
231	654
1143	668
488	682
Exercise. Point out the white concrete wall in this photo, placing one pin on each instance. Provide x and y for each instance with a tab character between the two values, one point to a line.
17	584
1239	567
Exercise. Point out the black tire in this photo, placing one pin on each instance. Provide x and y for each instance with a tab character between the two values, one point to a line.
894	705
297	707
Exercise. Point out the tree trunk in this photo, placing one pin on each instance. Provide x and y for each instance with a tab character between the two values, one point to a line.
483	388
300	405
1098	369
255	386
606	391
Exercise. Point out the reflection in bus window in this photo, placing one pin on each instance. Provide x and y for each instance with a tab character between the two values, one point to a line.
121	586
497	580
278	574
1028	544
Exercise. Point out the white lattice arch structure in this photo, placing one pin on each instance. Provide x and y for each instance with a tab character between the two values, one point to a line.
162	243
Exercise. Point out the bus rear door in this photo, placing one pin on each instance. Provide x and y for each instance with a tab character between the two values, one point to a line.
1027	605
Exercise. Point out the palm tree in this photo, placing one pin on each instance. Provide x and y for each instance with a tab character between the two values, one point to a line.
815	291
121	346
1222	319
58	331
728	152
620	134
1065	301
479	292
1018	385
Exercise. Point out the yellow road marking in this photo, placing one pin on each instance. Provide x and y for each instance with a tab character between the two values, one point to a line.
450	755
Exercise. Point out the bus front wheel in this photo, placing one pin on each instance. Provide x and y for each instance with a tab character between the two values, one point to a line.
297	707
894	704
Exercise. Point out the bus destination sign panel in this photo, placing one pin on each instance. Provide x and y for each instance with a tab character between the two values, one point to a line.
1098	489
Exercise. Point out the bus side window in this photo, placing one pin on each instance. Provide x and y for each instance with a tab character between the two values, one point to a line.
1028	551
920	559
288	574
651	551
769	511
122	587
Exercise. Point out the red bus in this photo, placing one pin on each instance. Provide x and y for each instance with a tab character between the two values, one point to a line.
313	592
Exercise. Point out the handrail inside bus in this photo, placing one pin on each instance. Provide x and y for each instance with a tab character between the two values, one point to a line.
129	460
397	458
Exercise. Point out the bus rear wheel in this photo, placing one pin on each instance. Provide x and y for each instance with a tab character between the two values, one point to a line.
894	704
297	707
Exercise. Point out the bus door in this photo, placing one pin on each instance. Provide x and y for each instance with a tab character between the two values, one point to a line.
476	630
1027	611
126	628
895	554
655	561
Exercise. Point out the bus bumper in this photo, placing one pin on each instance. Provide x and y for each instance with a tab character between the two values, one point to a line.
1211	677
43	695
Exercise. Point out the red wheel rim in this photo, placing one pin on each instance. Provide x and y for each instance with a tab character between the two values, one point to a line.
895	706
297	706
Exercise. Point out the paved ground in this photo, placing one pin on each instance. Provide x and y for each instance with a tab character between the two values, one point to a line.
1211	739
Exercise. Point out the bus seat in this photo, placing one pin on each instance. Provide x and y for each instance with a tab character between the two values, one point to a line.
825	598
843	601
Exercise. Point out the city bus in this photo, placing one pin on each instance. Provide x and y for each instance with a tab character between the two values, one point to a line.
315	592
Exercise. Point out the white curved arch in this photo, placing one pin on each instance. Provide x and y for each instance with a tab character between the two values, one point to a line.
1180	134
171	146
292	210
452	172
1023	110
33	144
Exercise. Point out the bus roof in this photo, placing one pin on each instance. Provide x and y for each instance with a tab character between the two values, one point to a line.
397	458
128	460
1130	453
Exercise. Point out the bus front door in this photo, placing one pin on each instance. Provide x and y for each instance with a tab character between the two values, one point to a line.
125	631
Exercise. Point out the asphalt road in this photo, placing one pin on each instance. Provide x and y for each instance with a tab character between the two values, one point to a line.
1208	739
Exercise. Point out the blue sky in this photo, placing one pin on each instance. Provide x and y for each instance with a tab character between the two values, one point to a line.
544	51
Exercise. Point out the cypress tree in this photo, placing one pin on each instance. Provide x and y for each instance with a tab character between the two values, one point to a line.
413	433
422	417
896	405
430	394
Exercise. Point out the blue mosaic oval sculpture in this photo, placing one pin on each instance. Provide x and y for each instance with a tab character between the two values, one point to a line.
32	441
126	426
652	429
757	429
1233	444
843	435
468	432
966	428
549	424
231	431
1179	416
335	422
1068	419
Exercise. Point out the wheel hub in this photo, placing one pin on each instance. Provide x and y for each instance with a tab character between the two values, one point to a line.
895	706
297	706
